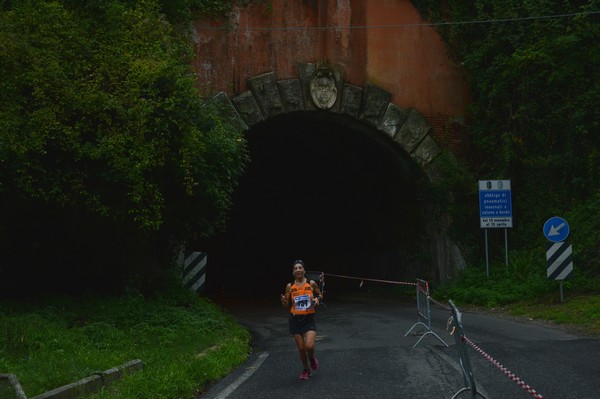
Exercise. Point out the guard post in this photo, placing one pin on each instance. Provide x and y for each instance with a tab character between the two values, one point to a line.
192	268
424	312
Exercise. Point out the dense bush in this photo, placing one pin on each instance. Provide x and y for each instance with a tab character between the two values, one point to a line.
522	281
108	157
535	109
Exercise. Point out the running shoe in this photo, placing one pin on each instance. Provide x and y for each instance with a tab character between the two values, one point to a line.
314	363
305	374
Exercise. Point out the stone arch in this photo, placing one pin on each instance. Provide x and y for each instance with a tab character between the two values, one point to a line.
268	97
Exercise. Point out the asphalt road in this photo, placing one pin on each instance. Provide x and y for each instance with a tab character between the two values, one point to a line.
363	354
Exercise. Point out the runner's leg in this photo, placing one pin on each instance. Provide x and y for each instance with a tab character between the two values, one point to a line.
302	349
309	343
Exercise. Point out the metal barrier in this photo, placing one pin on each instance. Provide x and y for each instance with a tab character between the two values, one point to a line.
463	356
318	277
424	319
424	312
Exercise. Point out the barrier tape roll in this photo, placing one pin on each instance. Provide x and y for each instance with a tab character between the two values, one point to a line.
507	372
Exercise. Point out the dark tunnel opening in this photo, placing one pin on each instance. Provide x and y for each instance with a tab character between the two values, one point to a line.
325	189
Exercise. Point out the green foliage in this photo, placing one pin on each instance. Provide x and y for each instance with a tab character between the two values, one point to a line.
183	340
523	279
102	132
117	110
535	104
454	191
584	221
523	290
184	10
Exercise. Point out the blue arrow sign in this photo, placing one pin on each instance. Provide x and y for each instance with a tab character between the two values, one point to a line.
556	229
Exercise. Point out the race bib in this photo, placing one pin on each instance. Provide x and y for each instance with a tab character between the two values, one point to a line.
302	302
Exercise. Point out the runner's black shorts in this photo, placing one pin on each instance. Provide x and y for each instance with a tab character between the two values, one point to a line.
299	324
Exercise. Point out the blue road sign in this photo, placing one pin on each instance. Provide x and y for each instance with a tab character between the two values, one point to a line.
556	229
495	204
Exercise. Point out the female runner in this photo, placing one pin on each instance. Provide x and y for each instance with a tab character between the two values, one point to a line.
302	297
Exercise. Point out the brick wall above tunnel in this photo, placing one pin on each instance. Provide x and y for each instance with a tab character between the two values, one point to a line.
384	43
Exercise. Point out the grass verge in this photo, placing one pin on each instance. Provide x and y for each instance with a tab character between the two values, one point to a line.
581	312
184	341
522	290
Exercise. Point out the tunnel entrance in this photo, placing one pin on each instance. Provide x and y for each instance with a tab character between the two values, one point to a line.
329	190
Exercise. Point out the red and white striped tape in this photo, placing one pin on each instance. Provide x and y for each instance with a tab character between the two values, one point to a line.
507	372
371	279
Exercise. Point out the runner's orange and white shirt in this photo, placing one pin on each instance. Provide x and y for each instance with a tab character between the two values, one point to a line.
302	299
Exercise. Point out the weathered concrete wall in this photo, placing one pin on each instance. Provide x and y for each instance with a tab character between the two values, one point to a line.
379	41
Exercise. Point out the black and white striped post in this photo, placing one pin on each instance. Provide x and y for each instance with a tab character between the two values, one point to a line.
193	269
559	255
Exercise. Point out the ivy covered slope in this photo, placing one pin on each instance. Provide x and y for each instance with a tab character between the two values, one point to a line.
532	67
108	158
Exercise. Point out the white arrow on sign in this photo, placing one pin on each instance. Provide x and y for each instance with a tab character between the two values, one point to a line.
554	231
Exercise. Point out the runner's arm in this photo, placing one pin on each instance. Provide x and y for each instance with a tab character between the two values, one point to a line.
285	298
316	290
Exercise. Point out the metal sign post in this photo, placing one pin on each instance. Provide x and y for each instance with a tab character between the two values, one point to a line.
495	211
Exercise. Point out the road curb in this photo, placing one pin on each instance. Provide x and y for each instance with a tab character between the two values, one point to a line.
84	386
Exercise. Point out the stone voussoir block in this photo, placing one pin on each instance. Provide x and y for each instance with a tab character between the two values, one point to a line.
291	94
265	90
413	131
351	99
426	151
392	120
226	108
374	104
248	108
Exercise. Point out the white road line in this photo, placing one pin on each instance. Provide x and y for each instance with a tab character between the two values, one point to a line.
249	371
